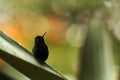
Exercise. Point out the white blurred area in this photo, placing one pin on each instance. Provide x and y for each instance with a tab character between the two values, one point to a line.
5	12
75	35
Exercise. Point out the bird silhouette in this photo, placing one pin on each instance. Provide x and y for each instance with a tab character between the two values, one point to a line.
40	49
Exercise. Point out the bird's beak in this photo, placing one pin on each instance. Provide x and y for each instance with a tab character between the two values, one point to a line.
44	34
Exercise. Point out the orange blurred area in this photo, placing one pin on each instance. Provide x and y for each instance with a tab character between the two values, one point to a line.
57	31
12	29
26	27
1	63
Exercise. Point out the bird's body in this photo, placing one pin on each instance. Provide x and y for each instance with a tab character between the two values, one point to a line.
40	49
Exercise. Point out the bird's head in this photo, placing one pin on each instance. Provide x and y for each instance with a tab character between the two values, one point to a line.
39	39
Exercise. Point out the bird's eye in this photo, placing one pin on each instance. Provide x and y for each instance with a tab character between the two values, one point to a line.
37	40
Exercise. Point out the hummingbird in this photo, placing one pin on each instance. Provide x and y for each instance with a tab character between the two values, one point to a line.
40	49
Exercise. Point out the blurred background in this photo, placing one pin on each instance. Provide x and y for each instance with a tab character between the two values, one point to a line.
66	24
